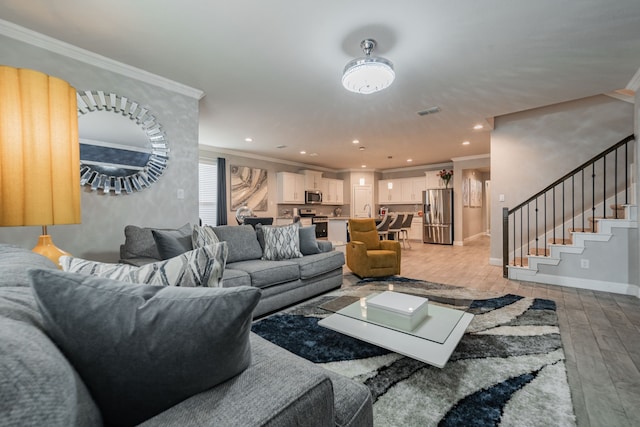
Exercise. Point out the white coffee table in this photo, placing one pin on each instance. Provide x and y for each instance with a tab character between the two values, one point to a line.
432	341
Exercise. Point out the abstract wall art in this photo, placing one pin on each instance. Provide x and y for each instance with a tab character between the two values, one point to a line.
249	188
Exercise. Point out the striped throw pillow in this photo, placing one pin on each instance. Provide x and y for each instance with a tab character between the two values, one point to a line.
200	267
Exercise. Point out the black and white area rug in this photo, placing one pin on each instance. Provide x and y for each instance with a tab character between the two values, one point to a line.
508	370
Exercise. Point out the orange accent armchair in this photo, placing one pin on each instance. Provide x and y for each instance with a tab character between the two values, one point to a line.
367	255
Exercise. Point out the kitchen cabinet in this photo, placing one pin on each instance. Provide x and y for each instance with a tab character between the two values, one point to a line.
403	191
290	187
412	189
332	191
415	232
337	229
312	180
388	195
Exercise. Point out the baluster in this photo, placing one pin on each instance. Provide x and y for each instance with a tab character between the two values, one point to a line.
593	197
615	185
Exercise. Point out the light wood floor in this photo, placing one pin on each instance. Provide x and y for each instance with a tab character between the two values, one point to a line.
600	331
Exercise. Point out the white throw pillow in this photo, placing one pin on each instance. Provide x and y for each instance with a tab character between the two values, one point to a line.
203	236
200	267
281	242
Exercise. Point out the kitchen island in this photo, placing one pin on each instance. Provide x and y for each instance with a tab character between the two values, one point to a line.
337	228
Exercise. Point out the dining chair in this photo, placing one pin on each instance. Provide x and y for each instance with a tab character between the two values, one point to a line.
404	230
395	227
383	227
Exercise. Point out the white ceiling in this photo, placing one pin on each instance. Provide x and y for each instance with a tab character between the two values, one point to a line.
271	70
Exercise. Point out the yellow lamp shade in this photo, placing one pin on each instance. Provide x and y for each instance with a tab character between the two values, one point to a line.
39	150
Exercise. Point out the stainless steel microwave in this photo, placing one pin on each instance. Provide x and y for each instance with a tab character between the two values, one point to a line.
312	197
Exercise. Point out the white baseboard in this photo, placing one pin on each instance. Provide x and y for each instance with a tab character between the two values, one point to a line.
496	261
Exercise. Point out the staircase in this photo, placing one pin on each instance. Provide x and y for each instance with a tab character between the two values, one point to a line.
580	231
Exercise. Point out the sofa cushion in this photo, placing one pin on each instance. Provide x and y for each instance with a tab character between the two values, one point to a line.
142	349
171	243
308	241
268	273
39	387
139	241
242	241
203	236
315	265
233	277
281	242
199	267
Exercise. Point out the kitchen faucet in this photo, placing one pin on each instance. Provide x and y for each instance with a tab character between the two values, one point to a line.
367	207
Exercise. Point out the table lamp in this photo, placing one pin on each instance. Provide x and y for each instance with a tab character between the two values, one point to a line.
39	154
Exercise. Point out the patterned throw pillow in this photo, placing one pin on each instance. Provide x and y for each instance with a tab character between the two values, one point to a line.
203	236
281	242
200	267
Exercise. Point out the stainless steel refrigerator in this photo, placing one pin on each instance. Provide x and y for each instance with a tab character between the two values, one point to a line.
437	221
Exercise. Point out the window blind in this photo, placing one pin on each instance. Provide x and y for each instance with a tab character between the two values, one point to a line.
208	178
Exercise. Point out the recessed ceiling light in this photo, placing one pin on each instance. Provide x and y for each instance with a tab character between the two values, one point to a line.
313	154
478	127
364	166
409	160
355	141
361	148
466	143
248	139
303	152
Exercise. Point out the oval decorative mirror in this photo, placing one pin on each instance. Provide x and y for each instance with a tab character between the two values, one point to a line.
122	147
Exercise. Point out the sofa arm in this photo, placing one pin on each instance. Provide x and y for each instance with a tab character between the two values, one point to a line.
278	389
325	245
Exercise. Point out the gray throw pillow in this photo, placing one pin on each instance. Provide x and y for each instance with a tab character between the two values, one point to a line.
308	241
142	349
281	242
200	267
242	241
172	243
139	242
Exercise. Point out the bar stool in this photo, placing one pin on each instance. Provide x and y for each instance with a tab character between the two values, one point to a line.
404	230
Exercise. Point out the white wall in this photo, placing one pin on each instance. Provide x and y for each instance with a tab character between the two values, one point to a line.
531	149
104	217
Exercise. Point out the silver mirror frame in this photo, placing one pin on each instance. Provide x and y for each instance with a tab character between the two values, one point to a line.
89	101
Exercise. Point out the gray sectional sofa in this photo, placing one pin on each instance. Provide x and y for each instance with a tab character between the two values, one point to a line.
282	283
40	386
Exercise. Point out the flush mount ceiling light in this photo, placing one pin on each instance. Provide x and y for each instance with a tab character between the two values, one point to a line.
368	74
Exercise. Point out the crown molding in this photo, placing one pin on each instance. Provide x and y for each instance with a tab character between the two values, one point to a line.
33	38
211	150
466	158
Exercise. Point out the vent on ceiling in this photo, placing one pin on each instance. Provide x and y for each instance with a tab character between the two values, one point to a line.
431	110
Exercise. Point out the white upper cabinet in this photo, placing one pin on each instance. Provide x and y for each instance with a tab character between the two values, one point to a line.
389	191
290	187
332	191
401	191
312	180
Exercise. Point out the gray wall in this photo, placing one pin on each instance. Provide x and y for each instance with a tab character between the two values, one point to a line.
104	217
531	149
